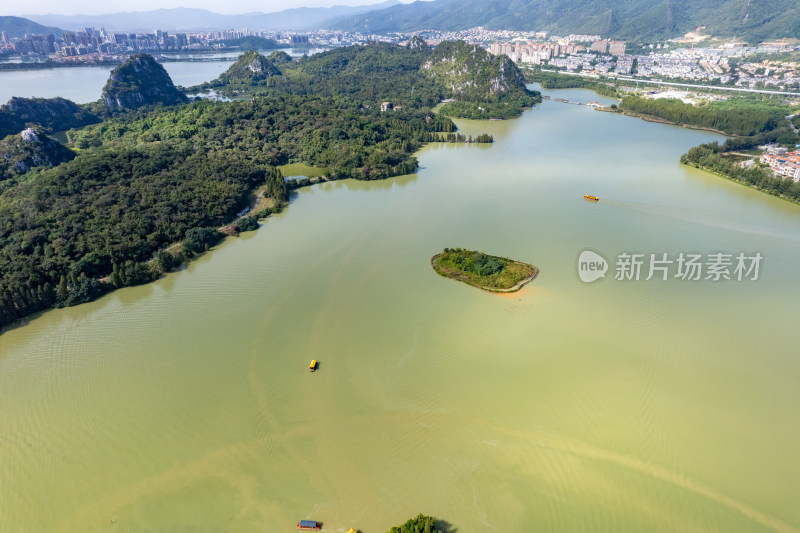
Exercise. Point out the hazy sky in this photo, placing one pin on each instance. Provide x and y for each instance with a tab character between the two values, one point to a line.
100	7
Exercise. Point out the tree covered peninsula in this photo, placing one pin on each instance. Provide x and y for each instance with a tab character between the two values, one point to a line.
487	272
151	172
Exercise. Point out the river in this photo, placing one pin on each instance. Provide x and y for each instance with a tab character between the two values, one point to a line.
613	406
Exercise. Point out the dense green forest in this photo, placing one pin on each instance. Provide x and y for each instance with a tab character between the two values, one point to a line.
737	116
641	20
333	133
21	153
140	81
711	157
413	75
49	114
367	74
483	85
61	229
279	57
149	178
249	68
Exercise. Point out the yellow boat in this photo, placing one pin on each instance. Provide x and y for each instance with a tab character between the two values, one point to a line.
591	198
313	365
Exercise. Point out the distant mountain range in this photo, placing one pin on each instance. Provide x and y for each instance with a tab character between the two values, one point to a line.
630	20
188	19
17	27
633	20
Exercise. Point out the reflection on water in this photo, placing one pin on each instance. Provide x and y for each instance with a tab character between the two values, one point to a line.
186	404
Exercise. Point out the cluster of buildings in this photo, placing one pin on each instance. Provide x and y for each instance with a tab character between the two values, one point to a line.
91	43
769	72
726	65
478	35
534	52
782	163
723	66
542	49
686	63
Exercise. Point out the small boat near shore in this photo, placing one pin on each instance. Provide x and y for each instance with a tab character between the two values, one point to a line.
309	524
591	198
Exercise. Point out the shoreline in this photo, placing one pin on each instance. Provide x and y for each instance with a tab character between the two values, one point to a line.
651	118
517	286
740	182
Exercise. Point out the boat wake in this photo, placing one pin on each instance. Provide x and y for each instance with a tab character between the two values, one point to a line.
698	216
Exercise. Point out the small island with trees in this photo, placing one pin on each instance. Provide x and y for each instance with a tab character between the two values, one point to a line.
488	272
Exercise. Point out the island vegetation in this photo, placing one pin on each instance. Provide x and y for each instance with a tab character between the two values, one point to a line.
487	272
421	524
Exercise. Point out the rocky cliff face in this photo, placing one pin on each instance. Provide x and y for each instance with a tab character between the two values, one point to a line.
472	73
251	66
54	114
138	82
28	150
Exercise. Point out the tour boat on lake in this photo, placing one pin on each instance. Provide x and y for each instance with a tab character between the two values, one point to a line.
591	198
308	524
313	365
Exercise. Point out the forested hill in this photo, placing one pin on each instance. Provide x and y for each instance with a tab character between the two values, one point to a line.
138	82
28	150
634	20
483	86
250	66
52	114
17	27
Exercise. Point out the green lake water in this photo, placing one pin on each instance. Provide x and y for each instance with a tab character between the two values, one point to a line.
187	405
